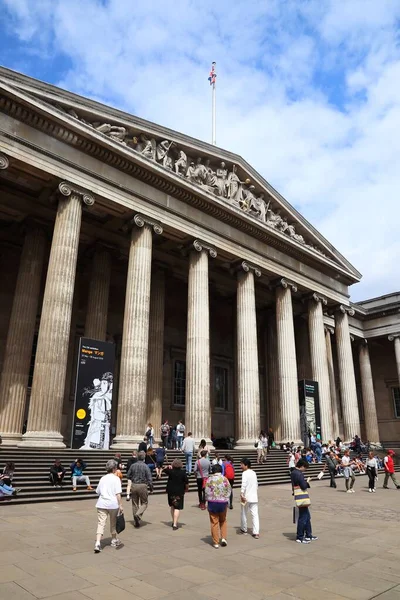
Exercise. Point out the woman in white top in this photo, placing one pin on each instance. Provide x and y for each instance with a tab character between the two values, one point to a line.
372	471
109	491
150	434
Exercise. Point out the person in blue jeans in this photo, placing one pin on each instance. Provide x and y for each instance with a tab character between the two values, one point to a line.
304	531
188	447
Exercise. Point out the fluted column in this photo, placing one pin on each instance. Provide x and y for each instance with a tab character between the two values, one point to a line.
99	290
319	362
15	374
275	413
132	399
332	382
396	339
348	392
248	409
156	350
46	402
198	408
288	383
368	394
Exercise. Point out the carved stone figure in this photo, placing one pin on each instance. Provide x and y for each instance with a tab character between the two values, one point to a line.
259	208
146	147
234	186
220	180
190	174
112	131
162	154
247	198
200	173
181	163
274	219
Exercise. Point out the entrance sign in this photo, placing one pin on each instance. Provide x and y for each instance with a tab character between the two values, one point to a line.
93	395
310	419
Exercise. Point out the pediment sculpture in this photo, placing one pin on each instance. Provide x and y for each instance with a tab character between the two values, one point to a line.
216	179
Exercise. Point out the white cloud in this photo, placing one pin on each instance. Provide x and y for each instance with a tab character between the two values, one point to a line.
307	93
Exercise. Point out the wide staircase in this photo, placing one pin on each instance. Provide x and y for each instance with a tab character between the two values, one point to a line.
32	471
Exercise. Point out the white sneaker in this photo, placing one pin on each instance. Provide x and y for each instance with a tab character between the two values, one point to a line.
370	491
115	543
97	548
353	491
374	490
215	545
224	542
349	492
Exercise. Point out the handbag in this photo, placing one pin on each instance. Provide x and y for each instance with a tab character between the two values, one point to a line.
201	474
320	475
120	525
301	497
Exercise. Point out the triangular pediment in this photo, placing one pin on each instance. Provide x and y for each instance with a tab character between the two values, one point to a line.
223	176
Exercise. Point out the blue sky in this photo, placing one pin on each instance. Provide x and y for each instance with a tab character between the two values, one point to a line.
307	92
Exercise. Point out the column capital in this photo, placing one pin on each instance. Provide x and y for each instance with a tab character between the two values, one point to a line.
66	188
329	329
393	336
4	161
341	308
140	220
317	298
284	283
241	266
199	246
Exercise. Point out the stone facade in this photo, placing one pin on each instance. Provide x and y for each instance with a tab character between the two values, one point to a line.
218	295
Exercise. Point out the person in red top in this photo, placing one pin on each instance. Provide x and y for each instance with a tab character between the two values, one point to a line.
388	464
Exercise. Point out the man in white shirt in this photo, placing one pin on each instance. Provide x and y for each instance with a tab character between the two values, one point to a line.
180	431
249	498
188	448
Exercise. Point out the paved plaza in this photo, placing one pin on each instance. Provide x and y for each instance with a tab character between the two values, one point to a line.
47	551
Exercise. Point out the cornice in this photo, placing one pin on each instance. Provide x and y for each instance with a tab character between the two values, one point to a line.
103	148
4	161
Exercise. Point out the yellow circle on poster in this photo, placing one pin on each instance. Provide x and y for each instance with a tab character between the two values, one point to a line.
81	413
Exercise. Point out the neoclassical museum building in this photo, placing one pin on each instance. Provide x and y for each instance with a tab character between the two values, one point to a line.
224	305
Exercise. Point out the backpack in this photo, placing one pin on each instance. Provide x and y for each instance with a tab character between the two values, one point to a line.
164	429
229	471
148	433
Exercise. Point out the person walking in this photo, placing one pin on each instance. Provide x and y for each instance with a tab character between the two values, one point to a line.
180	432
304	531
372	471
271	439
161	456
57	473
350	478
141	481
177	486
249	498
202	470
109	504
164	430
331	463
230	475
77	475
150	434
188	448
217	492
259	447
203	446
388	465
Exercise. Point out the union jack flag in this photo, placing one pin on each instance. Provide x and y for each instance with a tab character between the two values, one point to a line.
213	76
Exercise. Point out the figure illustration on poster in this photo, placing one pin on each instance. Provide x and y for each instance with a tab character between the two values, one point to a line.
98	434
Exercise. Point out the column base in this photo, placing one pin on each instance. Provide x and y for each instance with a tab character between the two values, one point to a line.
42	439
245	444
126	442
11	439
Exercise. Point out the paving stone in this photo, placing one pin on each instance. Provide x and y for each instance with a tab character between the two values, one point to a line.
142	589
195	574
108	592
12	591
43	587
337	586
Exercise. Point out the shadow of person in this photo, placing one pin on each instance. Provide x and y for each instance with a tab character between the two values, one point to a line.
289	535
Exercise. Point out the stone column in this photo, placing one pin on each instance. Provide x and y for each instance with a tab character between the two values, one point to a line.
198	406
368	394
275	413
99	290
348	392
15	374
288	384
332	382
46	402
395	337
156	351
248	409
319	362
132	398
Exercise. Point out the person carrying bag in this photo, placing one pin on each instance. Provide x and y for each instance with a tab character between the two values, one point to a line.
202	470
302	503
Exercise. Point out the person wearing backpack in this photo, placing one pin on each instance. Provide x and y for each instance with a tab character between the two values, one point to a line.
180	432
164	430
230	475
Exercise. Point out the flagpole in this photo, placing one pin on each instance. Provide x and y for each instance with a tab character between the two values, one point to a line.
214	116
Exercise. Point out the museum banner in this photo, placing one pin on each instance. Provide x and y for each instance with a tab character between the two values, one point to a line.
93	395
310	420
